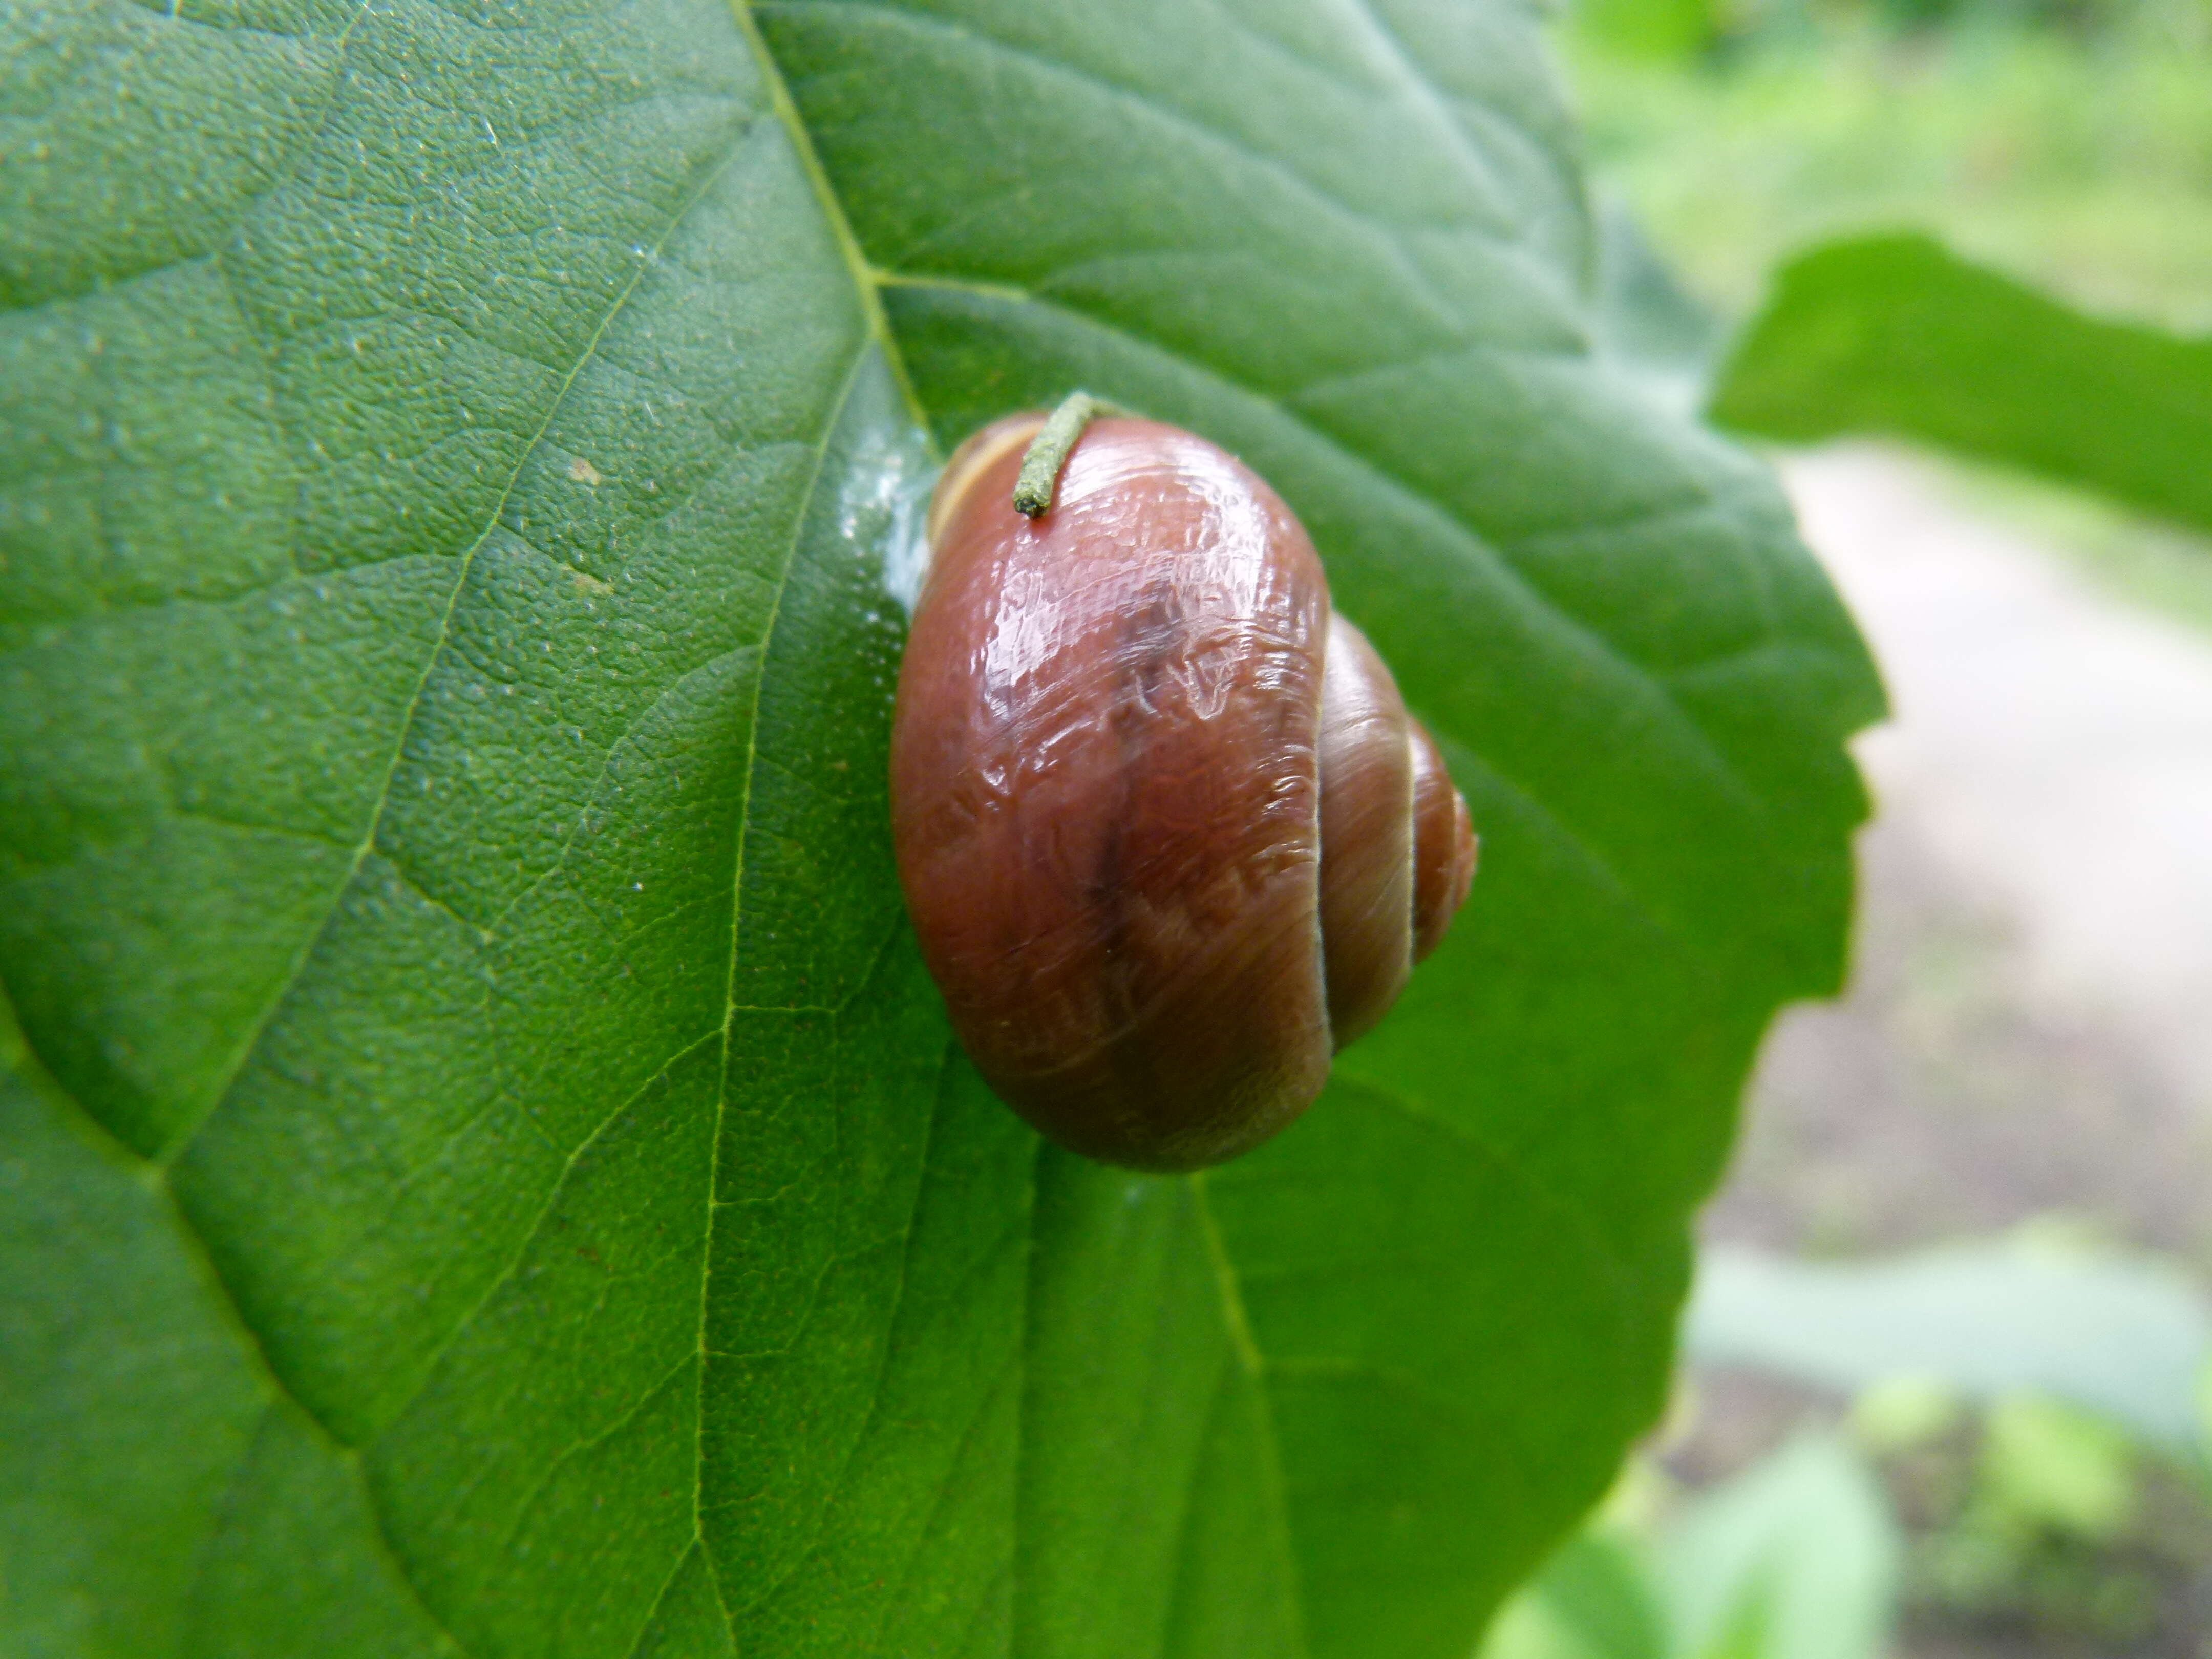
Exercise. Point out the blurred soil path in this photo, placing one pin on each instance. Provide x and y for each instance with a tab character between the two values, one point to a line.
2029	1026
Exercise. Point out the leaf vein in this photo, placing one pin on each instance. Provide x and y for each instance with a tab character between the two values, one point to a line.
406	722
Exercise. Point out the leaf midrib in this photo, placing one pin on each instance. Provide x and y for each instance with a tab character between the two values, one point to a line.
829	426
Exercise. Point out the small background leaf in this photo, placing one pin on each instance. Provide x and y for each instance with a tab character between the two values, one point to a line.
2128	1338
1896	335
1798	1557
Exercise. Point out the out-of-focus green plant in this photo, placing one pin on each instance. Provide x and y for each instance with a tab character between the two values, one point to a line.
2053	1505
2050	1465
2076	159
2126	1338
1797	1558
1650	31
1897	334
2020	1396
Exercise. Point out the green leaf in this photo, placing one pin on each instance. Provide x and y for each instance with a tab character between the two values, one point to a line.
1797	1558
1896	335
1597	1598
1650	31
449	456
2045	1464
2123	1337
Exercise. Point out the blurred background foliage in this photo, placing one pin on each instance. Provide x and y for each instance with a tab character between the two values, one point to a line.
2064	145
2068	142
1985	226
1982	1449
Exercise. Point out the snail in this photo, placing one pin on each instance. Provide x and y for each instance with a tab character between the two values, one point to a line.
1167	834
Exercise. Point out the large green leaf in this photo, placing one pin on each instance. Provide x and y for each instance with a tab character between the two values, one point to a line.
1895	334
482	1170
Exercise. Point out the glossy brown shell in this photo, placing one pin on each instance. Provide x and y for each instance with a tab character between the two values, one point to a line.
1106	768
1444	846
1366	835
